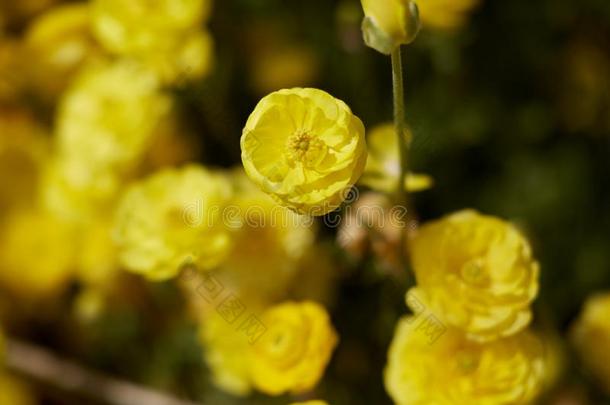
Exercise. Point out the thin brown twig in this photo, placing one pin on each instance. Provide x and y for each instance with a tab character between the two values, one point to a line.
44	368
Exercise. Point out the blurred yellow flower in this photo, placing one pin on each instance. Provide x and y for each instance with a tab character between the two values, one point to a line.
15	392
60	42
383	164
445	14
305	148
227	354
164	35
476	272
109	114
454	370
171	218
36	255
389	23
590	336
293	353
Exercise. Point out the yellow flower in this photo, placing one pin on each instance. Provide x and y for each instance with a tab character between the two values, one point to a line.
389	23
445	14
305	148
476	272
170	218
36	255
108	116
591	335
227	352
164	35
383	164
454	370
294	351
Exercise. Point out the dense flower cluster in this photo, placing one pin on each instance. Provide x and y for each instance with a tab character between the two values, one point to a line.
476	279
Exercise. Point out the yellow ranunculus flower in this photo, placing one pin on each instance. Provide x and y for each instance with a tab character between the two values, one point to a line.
591	336
383	164
293	353
454	370
310	403
36	255
305	148
476	272
170	218
445	14
164	35
389	23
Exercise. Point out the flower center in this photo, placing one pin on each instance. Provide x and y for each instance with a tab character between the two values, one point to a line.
305	148
473	272
466	362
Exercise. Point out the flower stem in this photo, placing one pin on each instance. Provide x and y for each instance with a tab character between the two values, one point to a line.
399	123
402	196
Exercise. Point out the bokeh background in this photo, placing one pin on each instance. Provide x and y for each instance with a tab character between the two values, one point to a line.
510	111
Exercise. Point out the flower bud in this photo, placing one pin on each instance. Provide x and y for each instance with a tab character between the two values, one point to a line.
388	24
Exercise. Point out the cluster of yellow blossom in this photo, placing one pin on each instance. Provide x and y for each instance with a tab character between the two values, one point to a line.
305	148
289	356
591	334
476	278
101	68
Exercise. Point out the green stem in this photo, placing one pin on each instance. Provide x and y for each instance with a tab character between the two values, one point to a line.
403	142
399	123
